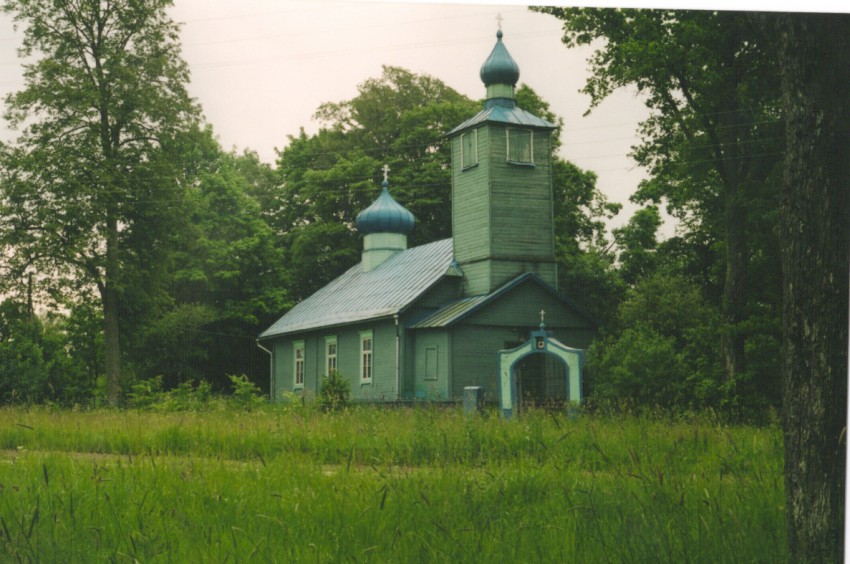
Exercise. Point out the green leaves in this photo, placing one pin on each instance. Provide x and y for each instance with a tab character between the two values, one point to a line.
88	183
398	119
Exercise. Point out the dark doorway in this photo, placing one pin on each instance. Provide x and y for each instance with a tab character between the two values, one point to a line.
541	381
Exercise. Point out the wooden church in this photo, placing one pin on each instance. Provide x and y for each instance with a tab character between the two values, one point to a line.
425	323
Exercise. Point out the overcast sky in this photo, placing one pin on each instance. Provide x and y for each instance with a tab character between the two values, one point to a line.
260	69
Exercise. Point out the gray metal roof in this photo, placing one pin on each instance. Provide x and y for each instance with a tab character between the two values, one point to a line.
446	315
501	114
384	291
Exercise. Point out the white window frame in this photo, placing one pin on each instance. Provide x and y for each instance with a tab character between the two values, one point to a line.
331	358
513	131
473	161
367	357
298	365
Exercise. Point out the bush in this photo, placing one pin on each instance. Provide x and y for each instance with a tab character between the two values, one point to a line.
149	395
144	394
246	395
335	394
665	352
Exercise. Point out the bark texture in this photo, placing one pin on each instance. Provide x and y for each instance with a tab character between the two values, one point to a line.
814	58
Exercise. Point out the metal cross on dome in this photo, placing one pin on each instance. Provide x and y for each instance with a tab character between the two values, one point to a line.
542	315
499	19
386	170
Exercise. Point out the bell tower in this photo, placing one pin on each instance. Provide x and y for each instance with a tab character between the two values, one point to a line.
502	209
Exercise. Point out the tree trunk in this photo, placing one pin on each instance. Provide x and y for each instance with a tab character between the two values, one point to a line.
814	59
112	342
731	132
733	340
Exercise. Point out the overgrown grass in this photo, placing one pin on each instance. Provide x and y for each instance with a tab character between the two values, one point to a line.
287	483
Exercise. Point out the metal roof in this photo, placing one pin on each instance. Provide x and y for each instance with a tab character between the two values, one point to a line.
448	314
384	291
502	114
459	309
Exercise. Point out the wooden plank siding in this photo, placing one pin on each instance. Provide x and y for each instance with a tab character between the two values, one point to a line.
431	381
475	359
471	202
477	339
509	219
383	385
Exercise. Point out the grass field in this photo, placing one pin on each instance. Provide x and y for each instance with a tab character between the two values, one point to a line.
289	484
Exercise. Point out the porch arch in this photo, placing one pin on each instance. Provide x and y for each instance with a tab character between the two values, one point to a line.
540	343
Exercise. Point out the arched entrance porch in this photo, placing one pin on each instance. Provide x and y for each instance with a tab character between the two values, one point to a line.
541	344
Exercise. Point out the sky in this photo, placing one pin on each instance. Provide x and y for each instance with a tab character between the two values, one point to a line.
261	68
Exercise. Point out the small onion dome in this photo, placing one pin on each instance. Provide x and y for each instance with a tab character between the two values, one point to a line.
385	215
500	67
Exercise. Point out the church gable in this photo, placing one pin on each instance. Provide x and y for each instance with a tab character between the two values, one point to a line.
515	304
520	306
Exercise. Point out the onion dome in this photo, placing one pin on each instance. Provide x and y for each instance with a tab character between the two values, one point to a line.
500	67
385	215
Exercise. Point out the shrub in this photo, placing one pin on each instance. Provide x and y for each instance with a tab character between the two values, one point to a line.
246	395
335	394
186	397
144	394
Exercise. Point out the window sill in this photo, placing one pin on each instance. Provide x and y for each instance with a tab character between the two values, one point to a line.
521	164
469	167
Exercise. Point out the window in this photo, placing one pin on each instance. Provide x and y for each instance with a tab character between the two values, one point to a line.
520	146
469	148
330	355
431	363
366	357
298	368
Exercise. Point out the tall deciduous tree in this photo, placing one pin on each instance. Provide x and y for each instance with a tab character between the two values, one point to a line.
814	60
713	139
88	189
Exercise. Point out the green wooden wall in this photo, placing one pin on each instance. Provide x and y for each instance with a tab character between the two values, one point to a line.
434	364
431	366
502	213
505	323
471	203
383	385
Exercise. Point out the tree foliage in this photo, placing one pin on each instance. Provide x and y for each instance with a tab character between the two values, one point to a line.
664	353
85	185
37	361
225	277
711	145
